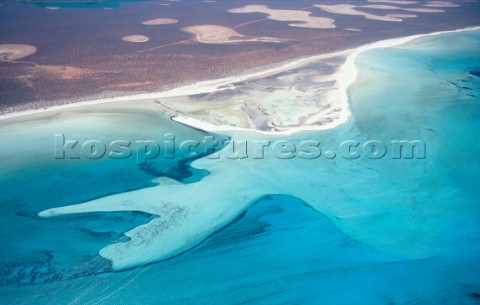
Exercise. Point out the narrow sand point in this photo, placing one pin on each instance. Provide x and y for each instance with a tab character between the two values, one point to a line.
303	18
10	52
181	225
136	38
212	33
353	10
164	4
381	7
52	8
440	4
160	21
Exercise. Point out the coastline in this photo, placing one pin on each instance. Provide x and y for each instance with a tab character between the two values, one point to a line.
345	76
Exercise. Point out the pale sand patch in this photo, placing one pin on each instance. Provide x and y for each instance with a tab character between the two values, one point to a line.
9	52
164	4
62	72
344	77
381	7
136	38
393	1
352	29
389	7
217	34
183	224
424	10
52	8
402	15
303	17
350	9
414	9
160	21
212	33
440	4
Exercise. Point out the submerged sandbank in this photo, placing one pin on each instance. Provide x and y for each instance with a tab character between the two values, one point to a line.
187	218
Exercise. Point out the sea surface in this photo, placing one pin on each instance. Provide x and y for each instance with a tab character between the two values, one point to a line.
377	229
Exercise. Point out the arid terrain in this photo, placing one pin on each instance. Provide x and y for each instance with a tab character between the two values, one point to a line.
149	46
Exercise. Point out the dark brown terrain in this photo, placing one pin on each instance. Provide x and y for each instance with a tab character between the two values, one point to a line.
80	51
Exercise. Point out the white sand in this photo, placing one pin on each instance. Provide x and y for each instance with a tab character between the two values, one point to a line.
356	10
212	33
393	1
424	10
303	18
192	212
160	21
10	52
217	34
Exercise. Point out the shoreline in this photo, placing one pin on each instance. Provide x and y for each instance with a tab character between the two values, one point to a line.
345	76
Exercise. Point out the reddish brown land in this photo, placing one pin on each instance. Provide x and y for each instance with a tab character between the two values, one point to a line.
76	59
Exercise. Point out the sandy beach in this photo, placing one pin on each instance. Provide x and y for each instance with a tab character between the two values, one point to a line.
345	76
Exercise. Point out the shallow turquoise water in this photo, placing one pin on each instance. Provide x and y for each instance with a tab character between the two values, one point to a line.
366	231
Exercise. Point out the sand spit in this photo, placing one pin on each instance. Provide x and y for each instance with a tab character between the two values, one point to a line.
11	52
424	10
136	38
302	18
160	21
217	34
350	9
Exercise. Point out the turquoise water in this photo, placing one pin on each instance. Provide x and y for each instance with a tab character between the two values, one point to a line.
267	231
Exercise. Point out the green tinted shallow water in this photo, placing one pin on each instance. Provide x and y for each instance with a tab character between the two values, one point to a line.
343	231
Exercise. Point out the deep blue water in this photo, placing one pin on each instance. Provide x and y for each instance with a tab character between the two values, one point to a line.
280	250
